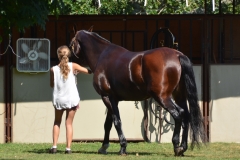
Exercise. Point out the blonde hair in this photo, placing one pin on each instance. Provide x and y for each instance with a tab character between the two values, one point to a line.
63	56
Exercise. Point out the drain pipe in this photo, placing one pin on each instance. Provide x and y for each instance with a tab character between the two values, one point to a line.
8	94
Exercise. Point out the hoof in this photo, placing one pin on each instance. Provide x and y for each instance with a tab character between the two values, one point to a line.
123	152
179	151
103	149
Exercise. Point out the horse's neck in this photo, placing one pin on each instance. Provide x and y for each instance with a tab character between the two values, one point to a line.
93	53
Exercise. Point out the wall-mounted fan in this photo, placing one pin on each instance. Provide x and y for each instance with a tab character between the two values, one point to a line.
33	55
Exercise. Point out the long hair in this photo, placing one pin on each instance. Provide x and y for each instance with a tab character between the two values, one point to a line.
63	56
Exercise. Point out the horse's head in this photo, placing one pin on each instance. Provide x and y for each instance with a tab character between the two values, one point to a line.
75	42
75	46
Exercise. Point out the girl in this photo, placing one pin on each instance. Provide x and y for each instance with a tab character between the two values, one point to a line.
65	95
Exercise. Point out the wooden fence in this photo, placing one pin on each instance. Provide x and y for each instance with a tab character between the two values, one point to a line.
204	39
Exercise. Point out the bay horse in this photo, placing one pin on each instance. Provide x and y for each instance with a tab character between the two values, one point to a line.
162	73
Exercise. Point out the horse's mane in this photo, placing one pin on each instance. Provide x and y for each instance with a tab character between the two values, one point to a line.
97	35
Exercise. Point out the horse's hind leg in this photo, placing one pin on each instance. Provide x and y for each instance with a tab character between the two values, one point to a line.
177	115
180	98
182	104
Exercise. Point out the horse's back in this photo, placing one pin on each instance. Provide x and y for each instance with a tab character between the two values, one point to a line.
162	54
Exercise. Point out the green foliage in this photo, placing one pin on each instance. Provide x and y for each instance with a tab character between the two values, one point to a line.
115	7
58	7
153	7
22	13
25	13
80	7
89	7
156	7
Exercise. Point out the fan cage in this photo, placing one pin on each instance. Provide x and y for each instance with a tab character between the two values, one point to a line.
38	65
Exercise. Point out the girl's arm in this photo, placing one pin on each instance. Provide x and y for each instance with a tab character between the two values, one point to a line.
77	68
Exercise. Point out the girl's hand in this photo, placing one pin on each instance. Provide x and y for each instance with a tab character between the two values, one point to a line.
89	71
75	72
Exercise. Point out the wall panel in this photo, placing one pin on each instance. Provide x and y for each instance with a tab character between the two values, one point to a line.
225	100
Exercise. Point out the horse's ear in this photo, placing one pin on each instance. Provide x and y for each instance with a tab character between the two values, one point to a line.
90	29
74	29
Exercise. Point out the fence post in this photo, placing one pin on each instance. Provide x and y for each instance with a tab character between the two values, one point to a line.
206	73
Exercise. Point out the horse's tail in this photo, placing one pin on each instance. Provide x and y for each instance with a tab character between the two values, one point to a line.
197	132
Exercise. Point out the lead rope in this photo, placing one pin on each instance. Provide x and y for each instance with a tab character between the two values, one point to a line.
75	75
136	104
9	46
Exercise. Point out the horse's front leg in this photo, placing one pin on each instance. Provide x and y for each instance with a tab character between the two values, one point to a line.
107	126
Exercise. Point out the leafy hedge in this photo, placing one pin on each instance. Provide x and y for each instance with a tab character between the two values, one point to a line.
152	7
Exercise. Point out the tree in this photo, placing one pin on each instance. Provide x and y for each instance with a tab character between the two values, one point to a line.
25	13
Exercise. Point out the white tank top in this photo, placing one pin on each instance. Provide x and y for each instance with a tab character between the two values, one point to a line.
65	93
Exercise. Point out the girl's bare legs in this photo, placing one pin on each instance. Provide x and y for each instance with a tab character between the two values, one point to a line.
56	126
69	129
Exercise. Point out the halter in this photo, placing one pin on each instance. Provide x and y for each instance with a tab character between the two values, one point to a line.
74	40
